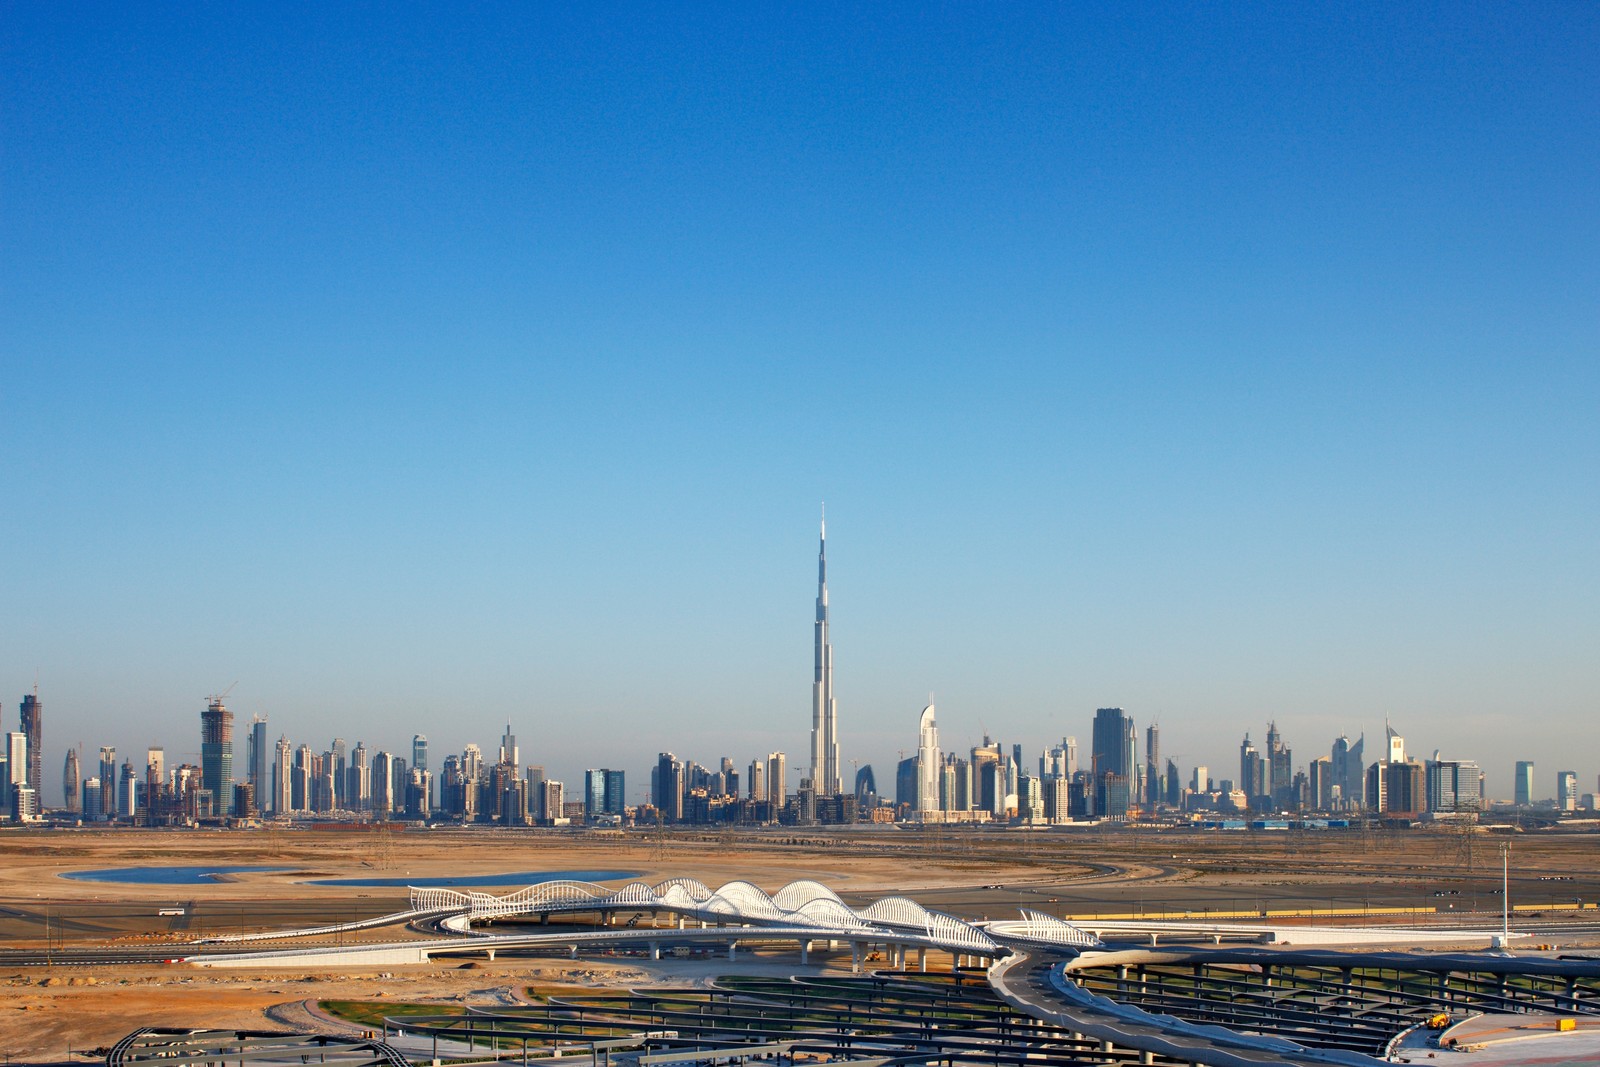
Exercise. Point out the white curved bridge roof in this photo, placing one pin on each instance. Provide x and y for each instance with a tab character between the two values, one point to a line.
803	903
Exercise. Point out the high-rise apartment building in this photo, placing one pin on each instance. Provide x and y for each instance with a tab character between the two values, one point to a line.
282	800
824	710
382	778
669	786
777	781
216	754
1523	783
340	770
360	786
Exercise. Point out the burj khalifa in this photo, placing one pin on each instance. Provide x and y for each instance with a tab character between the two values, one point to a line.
824	712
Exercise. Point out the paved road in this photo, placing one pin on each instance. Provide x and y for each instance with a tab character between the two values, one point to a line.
1025	984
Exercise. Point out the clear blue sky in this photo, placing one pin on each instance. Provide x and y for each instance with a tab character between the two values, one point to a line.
422	367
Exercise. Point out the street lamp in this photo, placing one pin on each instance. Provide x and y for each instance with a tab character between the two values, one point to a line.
1505	894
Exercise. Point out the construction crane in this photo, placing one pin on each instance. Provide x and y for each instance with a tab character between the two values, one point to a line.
217	698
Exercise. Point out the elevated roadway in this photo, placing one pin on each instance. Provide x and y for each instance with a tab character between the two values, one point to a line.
1029	984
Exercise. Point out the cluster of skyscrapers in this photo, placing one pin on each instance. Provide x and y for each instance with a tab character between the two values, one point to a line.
990	783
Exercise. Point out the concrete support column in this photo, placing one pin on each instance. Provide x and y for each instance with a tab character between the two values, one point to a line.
855	957
1147	1056
922	960
731	946
805	952
491	955
655	950
572	952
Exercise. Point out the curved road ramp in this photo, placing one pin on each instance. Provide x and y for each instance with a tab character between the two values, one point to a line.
1242	1005
1035	986
160	1047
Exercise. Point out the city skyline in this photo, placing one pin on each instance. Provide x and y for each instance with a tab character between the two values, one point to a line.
1223	365
1112	734
1112	748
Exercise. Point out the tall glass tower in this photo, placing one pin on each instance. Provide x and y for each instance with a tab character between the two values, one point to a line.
824	712
216	754
33	727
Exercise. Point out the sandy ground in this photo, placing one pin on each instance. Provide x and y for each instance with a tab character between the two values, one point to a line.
965	873
33	862
83	1012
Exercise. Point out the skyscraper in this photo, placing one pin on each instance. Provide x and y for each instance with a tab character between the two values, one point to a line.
1152	755
508	749
1280	770
419	752
1251	775
616	791
777	780
928	762
71	775
594	793
108	783
1524	783
1567	790
1452	785
257	761
824	712
216	754
1113	749
16	770
282	780
33	729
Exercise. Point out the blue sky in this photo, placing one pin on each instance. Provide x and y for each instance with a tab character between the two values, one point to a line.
423	368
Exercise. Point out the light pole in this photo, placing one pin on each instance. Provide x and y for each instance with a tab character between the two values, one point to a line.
1505	894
